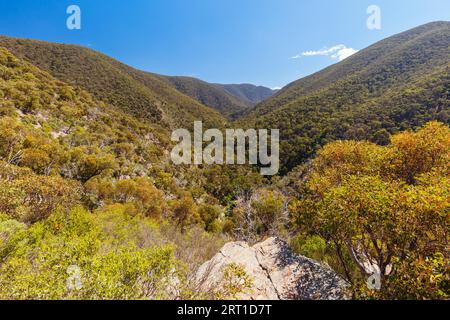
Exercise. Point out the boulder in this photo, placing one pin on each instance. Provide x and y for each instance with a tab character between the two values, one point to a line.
277	273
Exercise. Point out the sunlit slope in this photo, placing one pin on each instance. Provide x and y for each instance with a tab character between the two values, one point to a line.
396	84
136	92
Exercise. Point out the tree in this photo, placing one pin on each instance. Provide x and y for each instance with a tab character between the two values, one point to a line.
387	208
184	211
210	215
32	198
259	214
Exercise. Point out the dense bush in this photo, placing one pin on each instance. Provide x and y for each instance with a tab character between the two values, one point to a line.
39	261
259	214
87	188
30	198
387	208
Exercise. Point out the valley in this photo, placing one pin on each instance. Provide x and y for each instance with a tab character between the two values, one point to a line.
87	178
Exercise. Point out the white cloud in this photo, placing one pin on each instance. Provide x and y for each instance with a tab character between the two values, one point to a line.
344	53
276	88
324	52
339	52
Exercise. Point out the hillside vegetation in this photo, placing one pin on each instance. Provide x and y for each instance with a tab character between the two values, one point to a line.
136	92
209	95
91	206
399	83
230	100
248	92
380	211
77	175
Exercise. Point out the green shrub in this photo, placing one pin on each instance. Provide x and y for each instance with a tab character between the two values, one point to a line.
70	256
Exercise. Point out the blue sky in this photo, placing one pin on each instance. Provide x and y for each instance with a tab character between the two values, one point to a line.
226	41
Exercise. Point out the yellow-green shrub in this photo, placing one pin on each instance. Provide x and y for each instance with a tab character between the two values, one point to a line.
39	262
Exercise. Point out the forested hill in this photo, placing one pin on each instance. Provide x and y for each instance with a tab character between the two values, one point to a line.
248	92
138	93
86	185
396	84
209	94
230	100
170	101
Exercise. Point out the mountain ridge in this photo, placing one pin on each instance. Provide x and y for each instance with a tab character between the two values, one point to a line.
396	84
136	92
230	100
150	92
252	93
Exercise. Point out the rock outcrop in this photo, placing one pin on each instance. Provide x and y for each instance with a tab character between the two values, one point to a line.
276	273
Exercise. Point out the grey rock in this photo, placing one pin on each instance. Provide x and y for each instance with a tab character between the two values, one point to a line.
277	273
